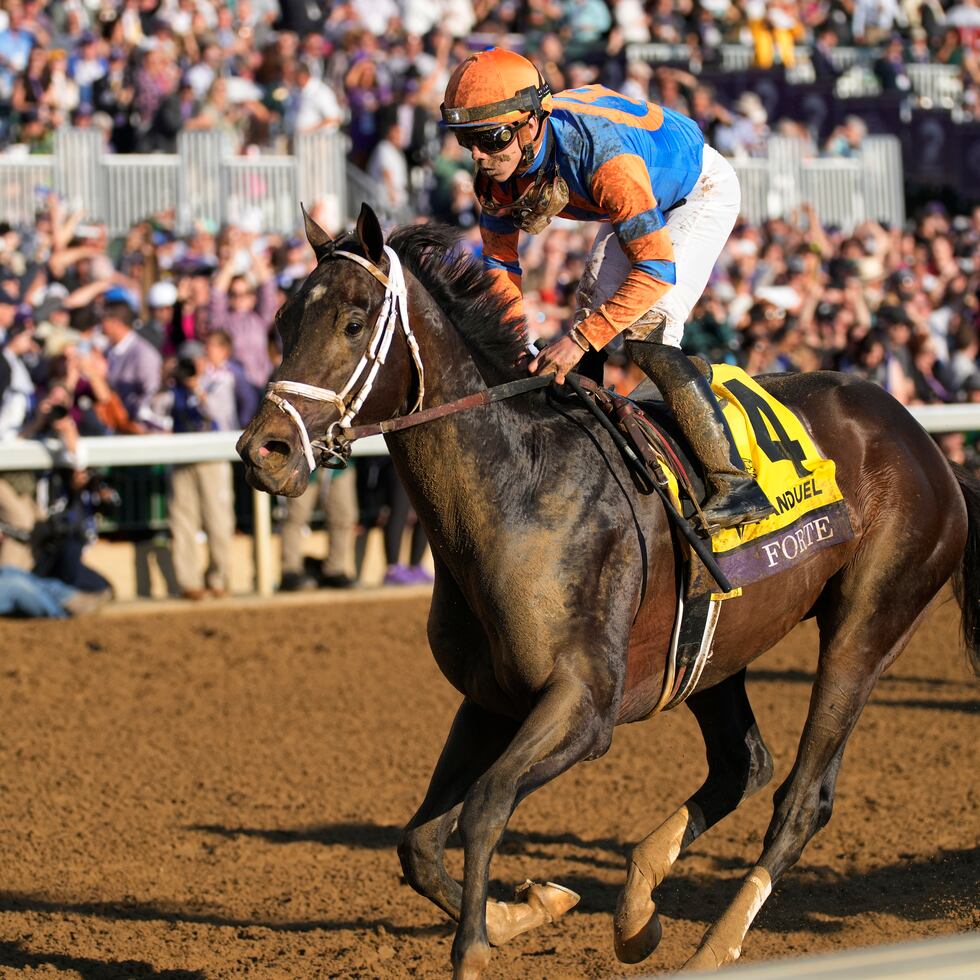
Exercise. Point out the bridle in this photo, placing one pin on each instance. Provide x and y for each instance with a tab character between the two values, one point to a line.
349	400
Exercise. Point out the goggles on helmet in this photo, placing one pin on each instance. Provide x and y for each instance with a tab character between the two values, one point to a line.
491	140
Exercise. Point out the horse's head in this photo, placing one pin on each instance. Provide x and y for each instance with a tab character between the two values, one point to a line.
347	351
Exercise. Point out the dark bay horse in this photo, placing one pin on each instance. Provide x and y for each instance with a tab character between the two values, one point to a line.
555	590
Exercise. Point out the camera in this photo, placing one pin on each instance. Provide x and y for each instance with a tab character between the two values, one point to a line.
57	413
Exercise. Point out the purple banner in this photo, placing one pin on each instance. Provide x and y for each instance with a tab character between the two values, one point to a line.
942	153
788	547
937	152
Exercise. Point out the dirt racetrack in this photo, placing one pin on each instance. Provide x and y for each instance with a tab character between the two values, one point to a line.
218	793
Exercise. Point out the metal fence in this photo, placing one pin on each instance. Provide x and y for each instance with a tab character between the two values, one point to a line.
134	187
203	180
844	192
160	450
261	188
933	85
199	188
23	180
939	85
321	174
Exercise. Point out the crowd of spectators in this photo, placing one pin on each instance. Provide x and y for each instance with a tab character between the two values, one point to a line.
154	333
159	331
263	71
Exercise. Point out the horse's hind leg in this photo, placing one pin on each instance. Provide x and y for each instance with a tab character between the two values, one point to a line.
739	764
864	625
475	741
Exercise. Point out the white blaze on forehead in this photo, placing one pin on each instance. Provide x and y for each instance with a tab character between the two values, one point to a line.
316	294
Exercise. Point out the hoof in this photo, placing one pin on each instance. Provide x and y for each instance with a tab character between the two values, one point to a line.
633	945
472	963
556	900
535	906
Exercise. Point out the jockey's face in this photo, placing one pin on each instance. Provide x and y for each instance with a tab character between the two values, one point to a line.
502	165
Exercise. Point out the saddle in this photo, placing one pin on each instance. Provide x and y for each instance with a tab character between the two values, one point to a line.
810	513
656	439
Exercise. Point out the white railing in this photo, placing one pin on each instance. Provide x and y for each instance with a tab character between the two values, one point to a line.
169	450
858	81
360	187
77	174
947	957
836	190
202	447
203	180
23	182
786	156
940	85
933	85
199	190
261	186
844	192
322	173
136	186
657	52
884	191
756	184
738	57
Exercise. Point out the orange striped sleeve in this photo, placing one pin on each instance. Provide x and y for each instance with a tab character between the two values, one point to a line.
500	239
622	188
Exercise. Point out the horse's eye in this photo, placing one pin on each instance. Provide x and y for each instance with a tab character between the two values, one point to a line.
353	328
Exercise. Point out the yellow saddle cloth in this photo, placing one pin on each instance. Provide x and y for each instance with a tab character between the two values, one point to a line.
777	450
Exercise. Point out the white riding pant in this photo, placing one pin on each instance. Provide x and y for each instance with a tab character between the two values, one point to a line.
698	229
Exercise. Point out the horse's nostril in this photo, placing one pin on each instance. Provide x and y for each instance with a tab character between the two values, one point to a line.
274	447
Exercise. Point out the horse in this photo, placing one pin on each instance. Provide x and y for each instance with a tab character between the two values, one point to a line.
555	580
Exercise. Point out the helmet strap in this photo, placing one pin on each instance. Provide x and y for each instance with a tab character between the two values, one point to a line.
529	147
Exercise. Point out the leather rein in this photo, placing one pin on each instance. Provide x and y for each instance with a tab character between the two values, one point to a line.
334	448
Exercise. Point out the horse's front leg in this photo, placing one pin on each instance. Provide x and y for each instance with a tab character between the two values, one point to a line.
565	725
475	741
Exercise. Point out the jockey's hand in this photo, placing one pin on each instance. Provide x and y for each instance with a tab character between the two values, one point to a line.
558	359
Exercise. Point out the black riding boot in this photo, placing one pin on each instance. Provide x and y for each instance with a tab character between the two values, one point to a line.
735	497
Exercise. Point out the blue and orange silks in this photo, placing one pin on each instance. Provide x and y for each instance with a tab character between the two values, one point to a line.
624	161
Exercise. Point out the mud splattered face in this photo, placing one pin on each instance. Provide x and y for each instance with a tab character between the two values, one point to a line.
497	151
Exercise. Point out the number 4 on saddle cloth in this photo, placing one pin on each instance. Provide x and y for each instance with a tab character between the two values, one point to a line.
775	448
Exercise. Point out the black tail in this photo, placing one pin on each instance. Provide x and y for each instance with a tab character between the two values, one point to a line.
966	578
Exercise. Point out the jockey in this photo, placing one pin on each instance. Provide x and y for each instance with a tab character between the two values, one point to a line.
670	202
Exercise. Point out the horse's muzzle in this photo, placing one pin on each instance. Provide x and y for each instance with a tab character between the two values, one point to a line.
273	457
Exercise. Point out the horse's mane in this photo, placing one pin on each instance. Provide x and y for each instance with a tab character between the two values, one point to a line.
462	289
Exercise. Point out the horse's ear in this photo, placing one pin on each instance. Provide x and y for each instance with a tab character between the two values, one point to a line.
315	235
370	233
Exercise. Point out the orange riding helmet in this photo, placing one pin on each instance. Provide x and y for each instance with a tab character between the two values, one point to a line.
496	88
